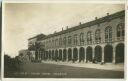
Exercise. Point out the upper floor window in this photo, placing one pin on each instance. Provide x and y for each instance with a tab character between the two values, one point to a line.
64	40
49	43
89	37
97	36
69	40
81	38
75	39
108	34
120	30
60	41
53	43
56	44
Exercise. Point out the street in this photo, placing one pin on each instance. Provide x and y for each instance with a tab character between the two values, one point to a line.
44	70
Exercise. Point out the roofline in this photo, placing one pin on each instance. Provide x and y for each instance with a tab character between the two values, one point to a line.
36	36
90	23
87	24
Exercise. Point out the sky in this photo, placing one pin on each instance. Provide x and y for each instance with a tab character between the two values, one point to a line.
25	20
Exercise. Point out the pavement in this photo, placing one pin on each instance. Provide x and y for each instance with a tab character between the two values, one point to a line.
106	66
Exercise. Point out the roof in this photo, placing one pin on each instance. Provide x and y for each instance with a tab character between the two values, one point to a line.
88	24
39	36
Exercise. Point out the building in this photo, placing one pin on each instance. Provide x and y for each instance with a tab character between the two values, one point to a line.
24	55
100	40
34	46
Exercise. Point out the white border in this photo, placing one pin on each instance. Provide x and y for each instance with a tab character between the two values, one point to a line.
68	1
61	79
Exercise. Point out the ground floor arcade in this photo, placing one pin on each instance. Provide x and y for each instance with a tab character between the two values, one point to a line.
105	53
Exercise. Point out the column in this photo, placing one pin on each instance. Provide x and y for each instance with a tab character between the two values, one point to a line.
114	55
62	54
102	54
85	54
78	56
93	53
67	55
38	55
72	54
33	54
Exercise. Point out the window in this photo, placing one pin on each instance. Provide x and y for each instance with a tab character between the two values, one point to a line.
108	34
75	39
69	40
60	41
53	43
56	42
81	38
97	36
64	40
49	43
89	37
120	30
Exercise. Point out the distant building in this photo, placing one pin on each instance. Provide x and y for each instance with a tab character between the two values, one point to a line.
35	46
100	40
24	56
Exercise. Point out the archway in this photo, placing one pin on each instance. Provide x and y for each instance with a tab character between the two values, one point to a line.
64	55
119	53
81	54
46	55
75	54
52	54
56	55
98	53
69	54
89	54
60	54
108	52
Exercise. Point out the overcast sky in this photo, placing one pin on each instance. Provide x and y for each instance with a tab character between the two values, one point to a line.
25	20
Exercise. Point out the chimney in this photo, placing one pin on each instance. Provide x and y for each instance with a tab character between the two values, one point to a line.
96	18
107	14
54	31
79	23
67	27
62	29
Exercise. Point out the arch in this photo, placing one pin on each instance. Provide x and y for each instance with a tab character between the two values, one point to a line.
53	55
119	53
64	55
81	54
60	54
69	54
56	55
41	55
89	53
108	52
75	54
46	55
36	55
50	54
98	53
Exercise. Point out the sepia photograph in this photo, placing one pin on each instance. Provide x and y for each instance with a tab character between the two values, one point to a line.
64	40
0	35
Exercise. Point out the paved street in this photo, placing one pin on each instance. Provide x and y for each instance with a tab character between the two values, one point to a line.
45	70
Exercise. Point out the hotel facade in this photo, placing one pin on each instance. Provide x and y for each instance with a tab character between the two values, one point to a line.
97	41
